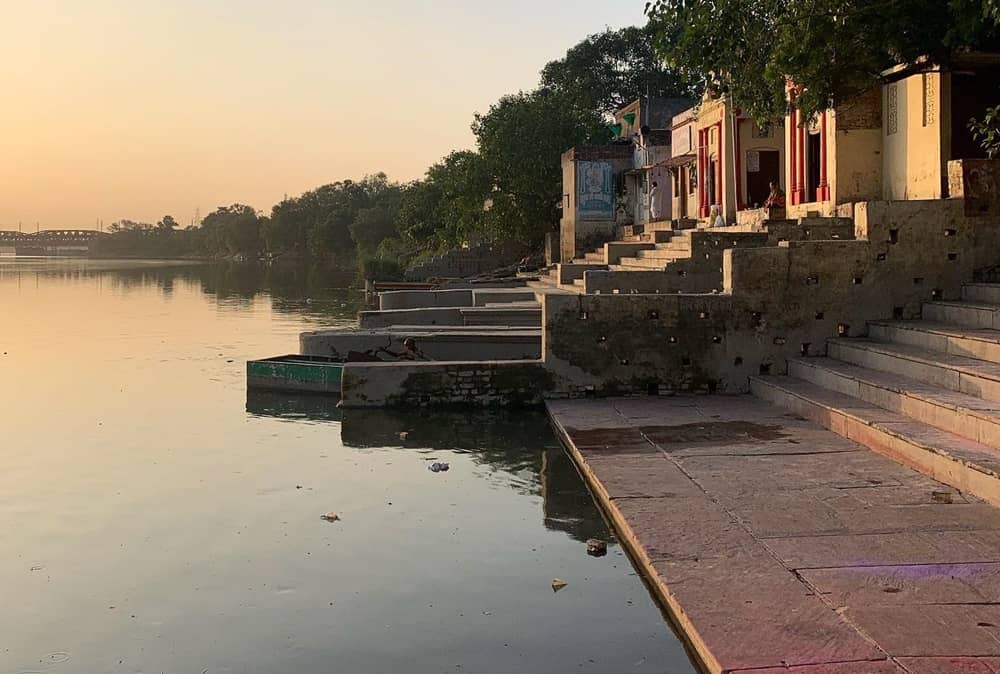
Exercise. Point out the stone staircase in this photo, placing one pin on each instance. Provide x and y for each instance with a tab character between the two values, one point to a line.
925	392
670	257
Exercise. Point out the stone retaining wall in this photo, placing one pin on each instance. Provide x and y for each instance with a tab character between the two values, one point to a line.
777	302
472	261
445	345
478	384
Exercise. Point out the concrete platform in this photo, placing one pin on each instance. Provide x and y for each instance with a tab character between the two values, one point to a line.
440	343
779	546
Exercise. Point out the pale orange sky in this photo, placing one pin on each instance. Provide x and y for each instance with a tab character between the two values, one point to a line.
134	109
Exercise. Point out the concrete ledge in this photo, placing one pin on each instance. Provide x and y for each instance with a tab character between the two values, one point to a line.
419	299
481	298
616	250
459	297
528	316
422	384
424	316
569	272
443	345
665	281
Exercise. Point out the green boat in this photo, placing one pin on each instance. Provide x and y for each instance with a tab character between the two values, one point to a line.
313	374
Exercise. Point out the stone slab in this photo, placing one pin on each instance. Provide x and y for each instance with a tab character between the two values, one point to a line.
947	547
951	665
875	667
931	631
825	560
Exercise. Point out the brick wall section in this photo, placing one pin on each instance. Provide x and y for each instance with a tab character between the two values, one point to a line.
472	261
862	112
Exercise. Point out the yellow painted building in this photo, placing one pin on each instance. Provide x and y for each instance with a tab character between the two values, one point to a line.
893	142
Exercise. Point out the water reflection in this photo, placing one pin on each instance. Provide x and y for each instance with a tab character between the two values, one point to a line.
518	443
315	291
154	518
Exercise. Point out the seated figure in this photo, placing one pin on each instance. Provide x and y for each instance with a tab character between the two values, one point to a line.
776	199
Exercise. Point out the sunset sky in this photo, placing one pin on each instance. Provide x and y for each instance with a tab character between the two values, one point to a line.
134	109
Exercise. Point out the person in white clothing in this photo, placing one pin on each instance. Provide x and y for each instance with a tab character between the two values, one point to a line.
654	202
717	219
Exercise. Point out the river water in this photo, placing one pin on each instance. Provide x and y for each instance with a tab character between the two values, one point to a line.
156	519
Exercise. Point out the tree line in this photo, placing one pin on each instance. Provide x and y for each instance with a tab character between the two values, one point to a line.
508	187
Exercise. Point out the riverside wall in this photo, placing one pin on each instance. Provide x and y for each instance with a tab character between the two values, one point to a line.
777	302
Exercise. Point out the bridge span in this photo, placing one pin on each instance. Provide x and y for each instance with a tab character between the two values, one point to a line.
48	242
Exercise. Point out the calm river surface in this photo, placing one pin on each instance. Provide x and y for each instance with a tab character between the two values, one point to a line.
154	519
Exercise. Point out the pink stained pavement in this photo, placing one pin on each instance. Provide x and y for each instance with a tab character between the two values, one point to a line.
779	546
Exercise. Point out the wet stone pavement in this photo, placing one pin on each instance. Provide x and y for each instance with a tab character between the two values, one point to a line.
780	546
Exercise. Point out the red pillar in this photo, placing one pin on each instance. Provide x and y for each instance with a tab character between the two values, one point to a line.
802	163
739	167
720	162
703	173
823	193
793	161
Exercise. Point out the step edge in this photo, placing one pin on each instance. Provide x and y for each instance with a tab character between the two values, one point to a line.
916	395
888	430
961	369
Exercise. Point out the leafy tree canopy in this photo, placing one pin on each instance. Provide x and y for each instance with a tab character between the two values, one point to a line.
521	140
833	49
607	71
447	207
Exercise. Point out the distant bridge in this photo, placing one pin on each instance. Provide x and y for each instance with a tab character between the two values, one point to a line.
48	242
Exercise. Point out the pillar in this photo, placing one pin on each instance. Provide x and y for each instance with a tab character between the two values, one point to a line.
823	193
793	161
802	163
739	166
703	173
720	163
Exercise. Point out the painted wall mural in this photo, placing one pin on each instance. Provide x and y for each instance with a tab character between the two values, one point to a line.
595	190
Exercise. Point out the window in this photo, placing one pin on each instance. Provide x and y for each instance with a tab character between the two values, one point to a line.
761	130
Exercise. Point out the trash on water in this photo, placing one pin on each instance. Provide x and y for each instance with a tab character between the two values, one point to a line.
403	435
438	467
596	547
330	517
558	584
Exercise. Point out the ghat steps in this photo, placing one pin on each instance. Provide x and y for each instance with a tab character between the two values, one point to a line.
925	392
663	258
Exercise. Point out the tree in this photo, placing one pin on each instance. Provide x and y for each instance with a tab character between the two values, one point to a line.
521	140
166	225
446	208
325	221
607	71
233	230
832	49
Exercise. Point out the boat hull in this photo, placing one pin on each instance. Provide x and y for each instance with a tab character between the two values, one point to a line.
293	373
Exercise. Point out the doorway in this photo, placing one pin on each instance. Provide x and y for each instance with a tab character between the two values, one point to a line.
710	184
813	156
768	170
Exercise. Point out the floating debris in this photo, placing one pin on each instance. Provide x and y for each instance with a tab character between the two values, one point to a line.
438	467
330	517
558	584
403	435
596	547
